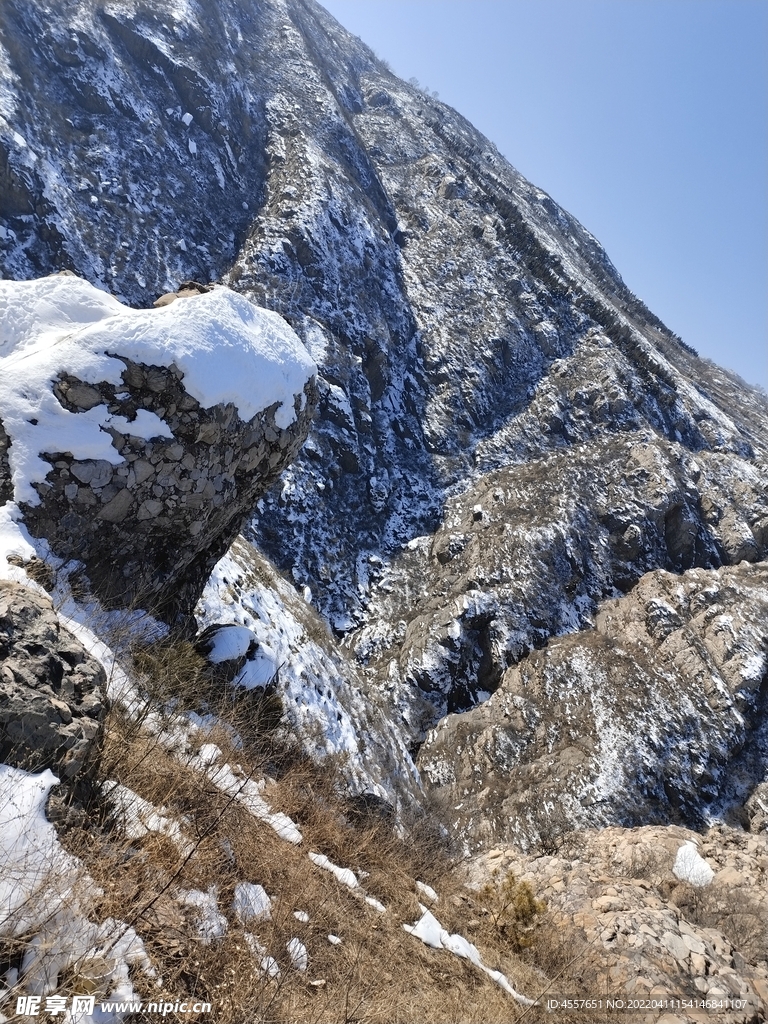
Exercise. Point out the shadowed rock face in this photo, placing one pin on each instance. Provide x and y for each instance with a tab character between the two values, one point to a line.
51	690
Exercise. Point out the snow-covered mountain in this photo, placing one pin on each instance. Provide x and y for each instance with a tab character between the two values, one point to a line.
506	436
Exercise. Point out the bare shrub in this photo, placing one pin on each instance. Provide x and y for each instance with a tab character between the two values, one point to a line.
731	910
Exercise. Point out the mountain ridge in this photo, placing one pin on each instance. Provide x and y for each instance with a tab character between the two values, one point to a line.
507	436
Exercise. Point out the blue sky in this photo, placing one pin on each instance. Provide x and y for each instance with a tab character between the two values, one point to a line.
646	119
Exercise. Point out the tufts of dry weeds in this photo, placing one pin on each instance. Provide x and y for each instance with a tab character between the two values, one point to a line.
377	973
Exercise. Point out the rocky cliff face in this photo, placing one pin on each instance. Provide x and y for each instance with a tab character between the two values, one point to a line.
625	897
657	713
506	436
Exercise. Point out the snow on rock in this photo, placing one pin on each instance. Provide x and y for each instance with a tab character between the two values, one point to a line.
251	903
325	704
660	662
140	438
691	867
211	924
226	643
429	931
227	349
253	664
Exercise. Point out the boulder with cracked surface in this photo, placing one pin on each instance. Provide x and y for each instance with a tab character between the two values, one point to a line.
151	433
52	699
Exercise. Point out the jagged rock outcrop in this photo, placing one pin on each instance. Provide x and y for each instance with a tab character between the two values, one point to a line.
756	808
529	550
148	449
261	635
52	693
620	897
658	713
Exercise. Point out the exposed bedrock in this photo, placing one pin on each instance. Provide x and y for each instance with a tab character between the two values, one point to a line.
528	551
178	473
51	690
656	714
150	529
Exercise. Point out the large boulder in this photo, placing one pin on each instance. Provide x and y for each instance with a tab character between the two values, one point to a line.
51	689
141	439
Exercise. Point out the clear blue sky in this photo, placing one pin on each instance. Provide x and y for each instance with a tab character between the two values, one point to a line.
646	119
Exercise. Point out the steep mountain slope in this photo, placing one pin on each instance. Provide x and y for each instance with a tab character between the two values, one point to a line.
506	435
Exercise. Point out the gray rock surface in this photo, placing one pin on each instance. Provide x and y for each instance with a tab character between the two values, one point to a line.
658	713
757	808
150	525
644	934
51	691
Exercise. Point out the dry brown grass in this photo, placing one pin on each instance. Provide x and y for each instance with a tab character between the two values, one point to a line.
379	973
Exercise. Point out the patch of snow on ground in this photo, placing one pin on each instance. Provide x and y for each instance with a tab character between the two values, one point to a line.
377	906
427	890
244	790
344	875
138	816
297	951
429	931
267	964
15	541
210	923
251	903
120	689
43	890
38	876
691	867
